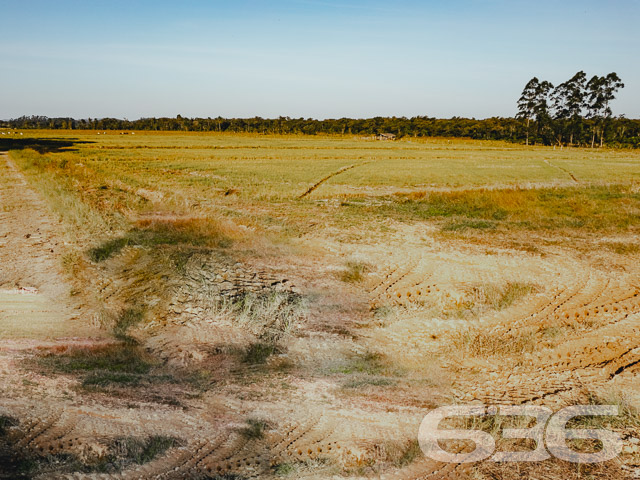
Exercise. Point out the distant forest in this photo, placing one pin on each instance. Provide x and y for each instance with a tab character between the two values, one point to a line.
618	131
576	112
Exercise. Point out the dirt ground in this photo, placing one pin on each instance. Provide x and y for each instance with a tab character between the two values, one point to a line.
370	359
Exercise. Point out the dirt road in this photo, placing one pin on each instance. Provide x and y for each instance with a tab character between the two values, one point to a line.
35	298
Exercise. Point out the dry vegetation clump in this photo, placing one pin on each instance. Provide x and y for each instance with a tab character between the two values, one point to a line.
478	343
180	232
486	297
103	366
503	296
354	272
271	317
589	208
18	460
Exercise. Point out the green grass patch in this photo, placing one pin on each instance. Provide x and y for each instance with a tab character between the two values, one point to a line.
461	225
369	363
284	469
112	358
622	248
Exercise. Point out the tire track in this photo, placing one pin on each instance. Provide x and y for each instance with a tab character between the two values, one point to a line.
562	169
331	175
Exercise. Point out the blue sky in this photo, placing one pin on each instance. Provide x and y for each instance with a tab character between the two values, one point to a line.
305	58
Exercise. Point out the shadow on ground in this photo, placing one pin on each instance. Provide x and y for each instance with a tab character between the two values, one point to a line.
41	145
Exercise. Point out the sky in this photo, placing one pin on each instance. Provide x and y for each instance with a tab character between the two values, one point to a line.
305	58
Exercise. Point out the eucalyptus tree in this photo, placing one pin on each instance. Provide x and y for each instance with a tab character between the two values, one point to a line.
534	103
600	93
527	102
568	100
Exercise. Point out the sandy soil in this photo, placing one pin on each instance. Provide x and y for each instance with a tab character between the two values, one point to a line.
590	302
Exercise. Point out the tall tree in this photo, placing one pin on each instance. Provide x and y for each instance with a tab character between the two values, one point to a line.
568	101
541	109
534	103
600	93
527	102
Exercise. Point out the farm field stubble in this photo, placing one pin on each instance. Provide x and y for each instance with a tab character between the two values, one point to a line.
434	270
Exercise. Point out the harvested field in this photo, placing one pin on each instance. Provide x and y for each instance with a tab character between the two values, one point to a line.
242	306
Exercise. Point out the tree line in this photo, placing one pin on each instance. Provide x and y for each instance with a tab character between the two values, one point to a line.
540	126
577	111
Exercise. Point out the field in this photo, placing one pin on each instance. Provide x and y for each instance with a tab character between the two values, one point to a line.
180	305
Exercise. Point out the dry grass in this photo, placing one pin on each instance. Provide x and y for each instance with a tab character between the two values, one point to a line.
354	272
477	343
269	316
121	175
622	248
190	232
588	208
140	207
488	297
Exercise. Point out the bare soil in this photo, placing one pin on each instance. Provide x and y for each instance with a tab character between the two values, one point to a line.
348	393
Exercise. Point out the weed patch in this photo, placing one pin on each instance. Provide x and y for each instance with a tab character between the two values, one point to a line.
354	272
591	208
258	353
478	343
191	232
254	429
118	365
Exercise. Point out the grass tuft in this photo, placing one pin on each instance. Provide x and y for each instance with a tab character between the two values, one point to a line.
354	272
255	428
478	343
127	319
270	316
258	353
141	451
6	423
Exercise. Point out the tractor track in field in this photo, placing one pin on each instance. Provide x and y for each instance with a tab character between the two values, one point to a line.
311	189
594	317
70	424
568	172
